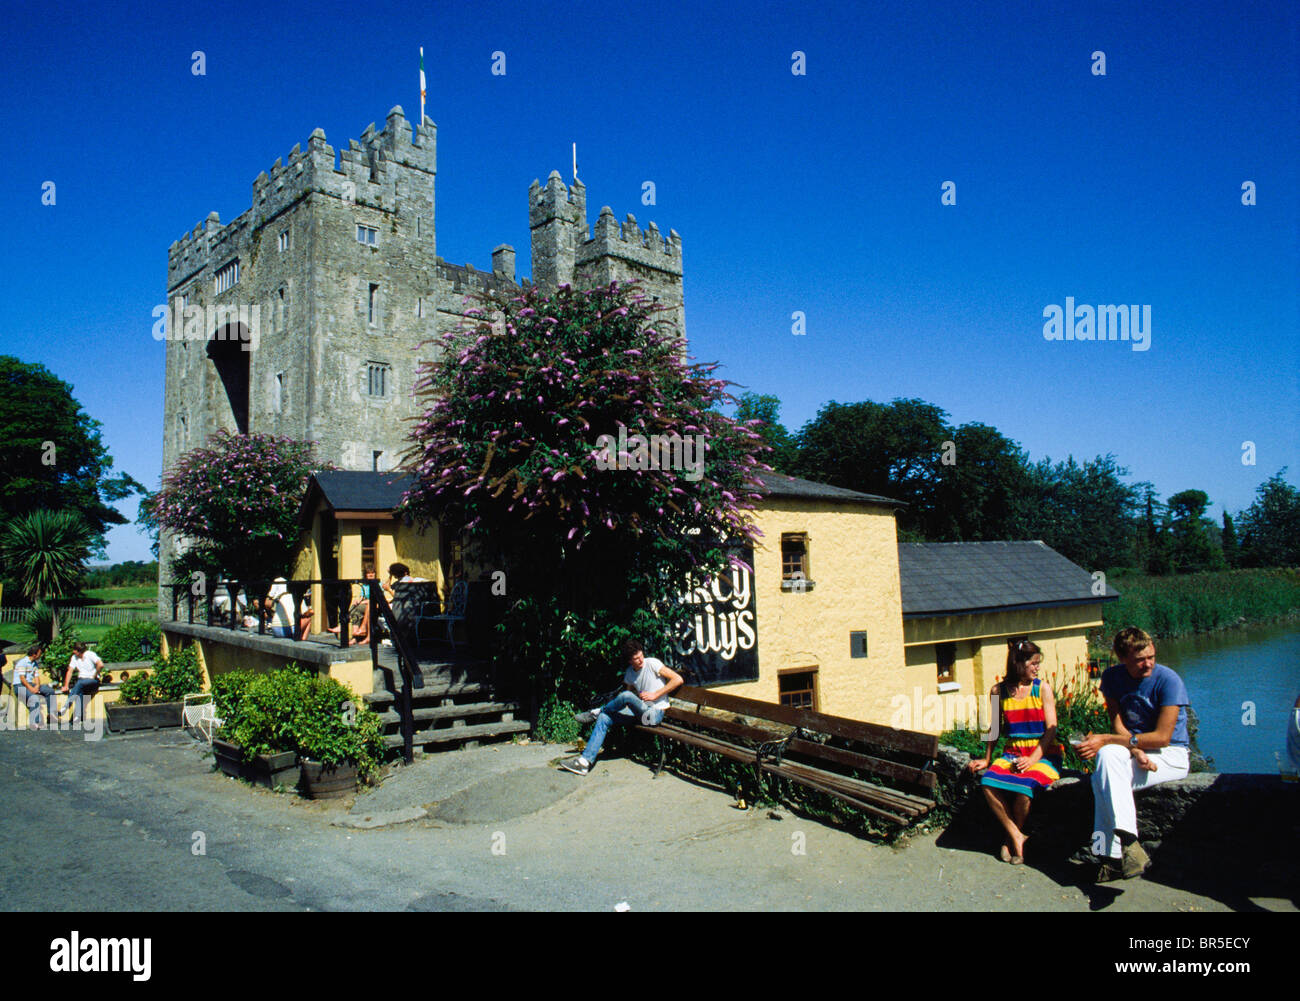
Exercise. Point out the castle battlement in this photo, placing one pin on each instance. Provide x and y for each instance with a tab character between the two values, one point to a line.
367	175
628	240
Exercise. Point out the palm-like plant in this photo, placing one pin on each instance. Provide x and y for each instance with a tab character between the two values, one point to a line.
47	552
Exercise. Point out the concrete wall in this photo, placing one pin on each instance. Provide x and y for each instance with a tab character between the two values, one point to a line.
853	564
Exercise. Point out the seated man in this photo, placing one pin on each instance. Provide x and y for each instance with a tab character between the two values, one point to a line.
87	664
28	687
647	684
1147	703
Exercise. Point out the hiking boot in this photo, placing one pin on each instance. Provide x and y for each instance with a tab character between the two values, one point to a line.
576	765
1109	871
1136	860
585	718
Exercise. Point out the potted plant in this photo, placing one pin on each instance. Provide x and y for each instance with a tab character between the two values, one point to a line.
154	700
339	739
256	740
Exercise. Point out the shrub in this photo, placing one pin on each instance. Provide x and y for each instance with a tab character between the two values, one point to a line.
555	722
40	620
122	641
58	653
228	691
330	727
171	680
262	721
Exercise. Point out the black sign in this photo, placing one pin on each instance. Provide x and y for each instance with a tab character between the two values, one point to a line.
718	636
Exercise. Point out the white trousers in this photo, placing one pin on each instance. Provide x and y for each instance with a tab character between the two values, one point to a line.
1114	777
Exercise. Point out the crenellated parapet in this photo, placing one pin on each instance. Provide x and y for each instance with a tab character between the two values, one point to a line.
627	240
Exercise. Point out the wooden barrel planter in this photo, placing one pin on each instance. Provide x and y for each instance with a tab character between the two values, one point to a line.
270	770
322	781
153	716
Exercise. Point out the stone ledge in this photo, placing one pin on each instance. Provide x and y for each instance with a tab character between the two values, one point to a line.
303	651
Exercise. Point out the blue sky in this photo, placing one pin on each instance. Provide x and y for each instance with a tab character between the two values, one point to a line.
817	193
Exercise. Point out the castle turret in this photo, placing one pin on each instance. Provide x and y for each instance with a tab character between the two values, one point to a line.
557	216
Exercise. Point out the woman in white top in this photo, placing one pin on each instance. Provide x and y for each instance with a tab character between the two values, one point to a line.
87	665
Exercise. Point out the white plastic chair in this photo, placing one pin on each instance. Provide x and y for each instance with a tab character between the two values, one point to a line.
199	715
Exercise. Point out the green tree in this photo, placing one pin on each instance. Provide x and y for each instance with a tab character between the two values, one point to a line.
533	438
47	550
767	411
1085	512
51	454
891	449
1193	548
1231	556
983	490
234	503
1270	527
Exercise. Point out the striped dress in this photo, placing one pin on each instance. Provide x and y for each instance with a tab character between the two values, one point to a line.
1024	726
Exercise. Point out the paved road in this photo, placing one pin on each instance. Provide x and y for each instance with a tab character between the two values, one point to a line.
143	823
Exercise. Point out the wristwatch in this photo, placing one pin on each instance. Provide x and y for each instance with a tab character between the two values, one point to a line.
1133	739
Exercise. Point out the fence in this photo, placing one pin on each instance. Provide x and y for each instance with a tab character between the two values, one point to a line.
97	616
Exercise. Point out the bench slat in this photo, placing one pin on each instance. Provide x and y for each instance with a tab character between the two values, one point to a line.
908	741
876	794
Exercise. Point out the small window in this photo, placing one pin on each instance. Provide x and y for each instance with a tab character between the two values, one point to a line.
372	304
283	241
798	690
367	235
795	575
419	309
858	643
369	545
227	277
277	393
417	227
945	657
282	308
377	379
376	460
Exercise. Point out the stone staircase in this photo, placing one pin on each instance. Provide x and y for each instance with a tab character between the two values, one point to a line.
456	706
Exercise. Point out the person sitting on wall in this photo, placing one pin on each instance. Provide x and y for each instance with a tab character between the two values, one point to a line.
87	664
359	613
28	687
1148	744
305	617
279	605
647	684
405	599
1031	758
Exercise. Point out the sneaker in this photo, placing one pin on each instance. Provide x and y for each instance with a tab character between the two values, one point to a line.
576	765
586	717
1136	860
1084	856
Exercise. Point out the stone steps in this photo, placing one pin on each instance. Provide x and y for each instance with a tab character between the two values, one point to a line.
454	707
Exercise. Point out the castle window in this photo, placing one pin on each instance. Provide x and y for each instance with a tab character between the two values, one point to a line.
367	235
283	242
377	379
419	309
277	393
798	689
227	277
283	307
376	460
417	226
372	304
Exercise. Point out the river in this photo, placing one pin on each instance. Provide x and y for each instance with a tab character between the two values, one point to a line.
1226	674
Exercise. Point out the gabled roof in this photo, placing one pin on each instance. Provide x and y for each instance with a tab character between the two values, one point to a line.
941	578
793	488
355	490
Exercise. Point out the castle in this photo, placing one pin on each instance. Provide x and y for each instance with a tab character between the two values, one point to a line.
335	265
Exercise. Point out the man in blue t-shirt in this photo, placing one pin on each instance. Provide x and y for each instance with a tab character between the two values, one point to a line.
1148	743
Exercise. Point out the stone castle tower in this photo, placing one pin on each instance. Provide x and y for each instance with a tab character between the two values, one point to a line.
305	315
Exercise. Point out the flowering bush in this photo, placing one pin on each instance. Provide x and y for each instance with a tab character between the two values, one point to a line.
589	461
235	500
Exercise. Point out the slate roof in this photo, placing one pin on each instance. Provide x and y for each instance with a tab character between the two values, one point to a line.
791	487
355	490
940	578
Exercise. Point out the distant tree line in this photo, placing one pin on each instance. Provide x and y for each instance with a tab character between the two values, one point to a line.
127	574
972	483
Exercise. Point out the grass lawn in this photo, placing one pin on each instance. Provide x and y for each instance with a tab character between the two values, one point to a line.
17	632
138	595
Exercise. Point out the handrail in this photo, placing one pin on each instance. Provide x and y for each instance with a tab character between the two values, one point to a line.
338	600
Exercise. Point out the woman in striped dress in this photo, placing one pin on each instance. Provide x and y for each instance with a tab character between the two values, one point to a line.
1030	760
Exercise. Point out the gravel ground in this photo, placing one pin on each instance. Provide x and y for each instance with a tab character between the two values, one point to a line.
143	822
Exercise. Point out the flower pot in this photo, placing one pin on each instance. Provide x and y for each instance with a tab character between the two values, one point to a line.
270	770
154	716
322	781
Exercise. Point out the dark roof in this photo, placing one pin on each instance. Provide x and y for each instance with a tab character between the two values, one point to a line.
939	578
780	485
355	490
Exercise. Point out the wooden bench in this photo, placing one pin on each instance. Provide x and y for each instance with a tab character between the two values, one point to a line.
812	749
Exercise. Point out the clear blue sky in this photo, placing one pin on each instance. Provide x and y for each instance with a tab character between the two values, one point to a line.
818	193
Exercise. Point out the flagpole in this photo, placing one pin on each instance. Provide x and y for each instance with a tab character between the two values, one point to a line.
421	86
575	161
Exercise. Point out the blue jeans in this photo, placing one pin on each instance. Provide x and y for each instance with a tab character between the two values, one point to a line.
81	688
35	703
626	709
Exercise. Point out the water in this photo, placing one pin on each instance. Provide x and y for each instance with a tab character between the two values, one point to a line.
1223	671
